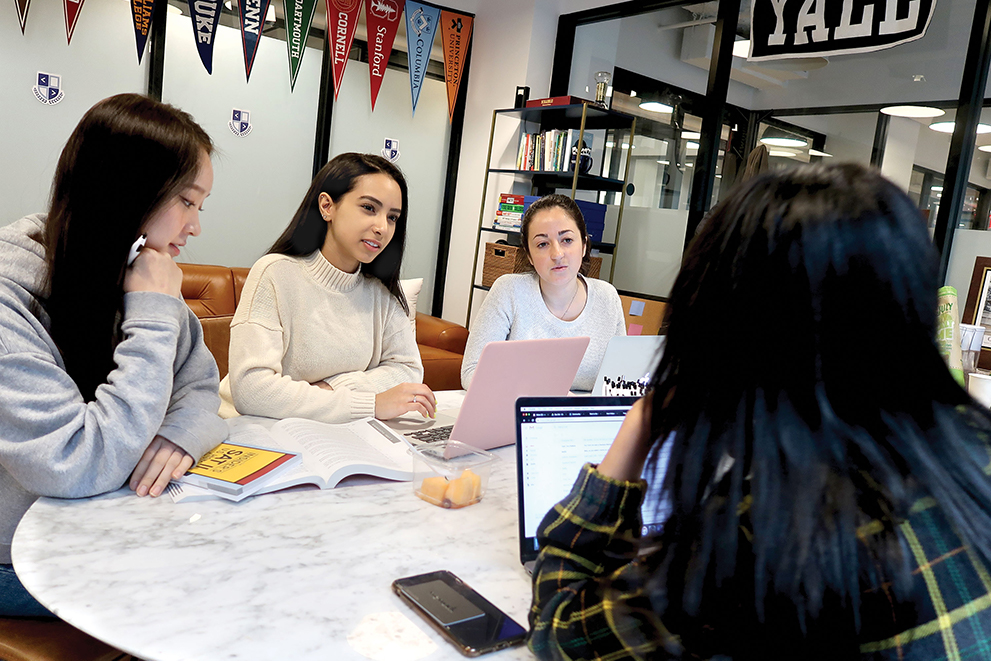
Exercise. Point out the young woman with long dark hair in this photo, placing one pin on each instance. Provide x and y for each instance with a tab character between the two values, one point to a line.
321	330
105	374
828	478
554	298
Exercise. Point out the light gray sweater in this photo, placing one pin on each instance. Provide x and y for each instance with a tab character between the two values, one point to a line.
514	310
52	442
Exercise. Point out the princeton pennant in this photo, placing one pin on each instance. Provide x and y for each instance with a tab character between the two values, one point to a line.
142	12
251	14
421	26
72	9
382	17
299	15
205	16
456	30
22	7
342	19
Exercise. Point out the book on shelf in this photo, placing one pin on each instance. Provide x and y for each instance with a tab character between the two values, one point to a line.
556	101
327	454
509	198
553	151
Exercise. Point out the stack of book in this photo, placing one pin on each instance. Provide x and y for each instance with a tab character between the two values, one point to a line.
548	151
509	215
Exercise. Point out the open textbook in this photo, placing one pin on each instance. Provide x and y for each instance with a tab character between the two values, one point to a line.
329	454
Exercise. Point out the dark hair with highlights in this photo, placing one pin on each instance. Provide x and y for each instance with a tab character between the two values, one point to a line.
307	229
831	409
569	207
127	158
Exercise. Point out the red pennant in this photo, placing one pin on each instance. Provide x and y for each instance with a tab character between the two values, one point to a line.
22	7
382	17
456	31
342	19
72	9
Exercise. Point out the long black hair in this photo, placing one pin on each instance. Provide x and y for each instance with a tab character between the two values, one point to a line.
128	157
806	398
307	229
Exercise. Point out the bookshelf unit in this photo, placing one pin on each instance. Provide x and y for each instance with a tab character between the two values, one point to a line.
579	117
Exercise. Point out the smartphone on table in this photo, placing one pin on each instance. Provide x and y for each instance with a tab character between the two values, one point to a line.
462	616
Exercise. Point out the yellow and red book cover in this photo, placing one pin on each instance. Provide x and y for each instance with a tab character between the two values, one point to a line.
233	467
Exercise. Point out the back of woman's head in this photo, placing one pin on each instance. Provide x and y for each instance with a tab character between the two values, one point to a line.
801	346
307	230
127	157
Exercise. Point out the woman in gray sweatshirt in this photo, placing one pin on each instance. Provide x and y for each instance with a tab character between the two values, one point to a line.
104	377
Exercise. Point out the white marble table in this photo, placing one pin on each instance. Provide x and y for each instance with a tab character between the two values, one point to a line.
289	575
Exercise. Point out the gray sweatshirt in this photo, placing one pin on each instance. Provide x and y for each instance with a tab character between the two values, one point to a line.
52	443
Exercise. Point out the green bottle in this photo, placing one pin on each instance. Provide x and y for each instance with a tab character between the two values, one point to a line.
948	331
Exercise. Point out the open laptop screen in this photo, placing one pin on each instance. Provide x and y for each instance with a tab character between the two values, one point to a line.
556	436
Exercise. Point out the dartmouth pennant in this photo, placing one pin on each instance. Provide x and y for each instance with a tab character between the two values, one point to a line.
299	15
205	16
72	9
421	26
803	28
142	12
456	30
342	19
22	7
251	14
382	17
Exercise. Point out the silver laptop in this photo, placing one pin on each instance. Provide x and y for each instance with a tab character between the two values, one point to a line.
555	437
506	370
628	359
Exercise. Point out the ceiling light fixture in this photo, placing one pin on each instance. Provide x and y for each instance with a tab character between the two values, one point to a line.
984	148
741	48
936	189
784	153
947	127
821	154
913	111
777	141
690	135
656	106
692	145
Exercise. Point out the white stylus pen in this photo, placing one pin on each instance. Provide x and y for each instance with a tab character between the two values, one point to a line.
136	248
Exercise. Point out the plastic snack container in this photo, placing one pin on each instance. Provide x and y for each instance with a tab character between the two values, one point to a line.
451	474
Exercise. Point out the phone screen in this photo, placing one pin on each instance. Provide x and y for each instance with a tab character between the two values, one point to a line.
460	614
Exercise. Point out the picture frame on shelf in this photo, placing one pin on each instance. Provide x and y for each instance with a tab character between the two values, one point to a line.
977	309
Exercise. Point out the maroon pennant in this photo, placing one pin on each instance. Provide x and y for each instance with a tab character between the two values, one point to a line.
382	18
72	9
22	7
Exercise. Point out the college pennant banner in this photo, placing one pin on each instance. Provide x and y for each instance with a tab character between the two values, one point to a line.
421	26
382	17
142	12
800	28
72	9
456	32
22	7
251	14
342	19
299	15
205	16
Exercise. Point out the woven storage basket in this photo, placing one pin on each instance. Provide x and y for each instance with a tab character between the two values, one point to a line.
499	259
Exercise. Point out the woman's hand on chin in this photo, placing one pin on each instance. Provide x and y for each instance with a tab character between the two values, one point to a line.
405	398
154	271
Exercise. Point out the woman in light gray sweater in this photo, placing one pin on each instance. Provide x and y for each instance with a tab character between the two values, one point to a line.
106	379
555	299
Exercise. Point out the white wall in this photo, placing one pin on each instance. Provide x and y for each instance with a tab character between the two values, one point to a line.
900	149
101	61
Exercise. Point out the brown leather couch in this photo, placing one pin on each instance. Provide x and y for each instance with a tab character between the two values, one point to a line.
212	293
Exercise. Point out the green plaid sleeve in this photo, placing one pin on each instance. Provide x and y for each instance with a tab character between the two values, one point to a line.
588	548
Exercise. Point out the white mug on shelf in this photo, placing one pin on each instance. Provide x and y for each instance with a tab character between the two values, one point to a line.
979	387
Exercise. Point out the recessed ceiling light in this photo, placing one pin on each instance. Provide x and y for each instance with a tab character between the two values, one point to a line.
816	152
913	111
741	48
270	14
984	148
227	4
689	165
633	94
947	127
936	189
690	135
719	176
692	145
781	152
172	9
784	142
664	162
655	106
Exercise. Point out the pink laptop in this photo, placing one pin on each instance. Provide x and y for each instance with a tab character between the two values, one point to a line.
505	371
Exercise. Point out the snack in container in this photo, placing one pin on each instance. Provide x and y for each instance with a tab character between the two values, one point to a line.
450	474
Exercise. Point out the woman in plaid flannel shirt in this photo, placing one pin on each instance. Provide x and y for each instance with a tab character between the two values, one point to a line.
828	477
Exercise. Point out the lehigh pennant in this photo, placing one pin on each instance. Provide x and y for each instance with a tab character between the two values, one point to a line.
456	31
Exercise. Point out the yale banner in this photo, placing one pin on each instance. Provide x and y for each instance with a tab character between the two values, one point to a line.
456	31
814	28
342	19
382	17
251	16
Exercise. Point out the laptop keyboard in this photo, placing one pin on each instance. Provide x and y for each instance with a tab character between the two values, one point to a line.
432	434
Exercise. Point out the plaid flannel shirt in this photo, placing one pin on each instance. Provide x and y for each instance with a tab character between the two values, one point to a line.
589	540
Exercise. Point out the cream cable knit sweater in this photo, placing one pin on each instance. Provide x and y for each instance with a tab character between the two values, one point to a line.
301	320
